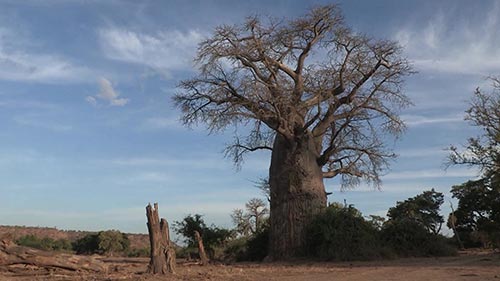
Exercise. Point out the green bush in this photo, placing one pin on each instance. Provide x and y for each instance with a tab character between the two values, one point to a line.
235	250
187	253
342	234
257	246
107	242
214	238
141	252
46	243
88	244
252	248
409	238
112	241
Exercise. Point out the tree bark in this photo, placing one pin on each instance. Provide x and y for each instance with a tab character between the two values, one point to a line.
162	257
11	254
297	194
201	248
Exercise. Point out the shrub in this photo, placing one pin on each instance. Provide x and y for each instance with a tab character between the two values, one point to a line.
213	237
409	238
251	248
88	244
46	243
257	247
141	252
236	250
341	233
105	242
112	241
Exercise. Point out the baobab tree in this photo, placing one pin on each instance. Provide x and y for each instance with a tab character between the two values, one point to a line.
321	97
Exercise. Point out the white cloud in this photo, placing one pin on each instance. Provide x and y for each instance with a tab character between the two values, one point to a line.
162	123
164	51
91	100
28	104
37	123
418	120
450	45
107	93
19	64
198	162
422	152
426	174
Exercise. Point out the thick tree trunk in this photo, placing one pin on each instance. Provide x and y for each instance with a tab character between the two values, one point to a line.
297	194
162	257
201	248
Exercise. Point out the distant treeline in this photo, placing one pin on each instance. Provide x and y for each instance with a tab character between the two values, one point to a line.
110	242
137	241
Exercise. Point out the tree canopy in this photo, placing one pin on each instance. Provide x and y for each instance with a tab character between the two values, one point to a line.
212	235
312	74
478	213
253	219
422	209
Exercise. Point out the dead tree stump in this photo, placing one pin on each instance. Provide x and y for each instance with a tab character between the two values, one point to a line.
201	248
162	257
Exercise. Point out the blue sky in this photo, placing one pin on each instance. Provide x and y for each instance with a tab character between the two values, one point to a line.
89	134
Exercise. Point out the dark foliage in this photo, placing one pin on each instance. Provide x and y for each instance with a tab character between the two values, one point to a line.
257	246
251	248
341	233
409	238
422	209
477	218
46	243
105	242
87	245
212	236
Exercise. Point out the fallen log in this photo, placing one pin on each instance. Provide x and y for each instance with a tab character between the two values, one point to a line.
12	254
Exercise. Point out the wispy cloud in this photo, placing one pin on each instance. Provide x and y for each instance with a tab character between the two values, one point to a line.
164	51
418	120
17	63
27	104
162	123
422	152
107	93
37	123
427	174
195	162
447	44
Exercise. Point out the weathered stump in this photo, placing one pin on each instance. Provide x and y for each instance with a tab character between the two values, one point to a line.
201	248
162	257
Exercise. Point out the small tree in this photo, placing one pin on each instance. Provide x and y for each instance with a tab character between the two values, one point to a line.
253	220
88	244
422	209
111	242
478	212
107	242
212	236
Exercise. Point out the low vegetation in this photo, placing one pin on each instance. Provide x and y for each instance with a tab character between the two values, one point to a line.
109	242
45	243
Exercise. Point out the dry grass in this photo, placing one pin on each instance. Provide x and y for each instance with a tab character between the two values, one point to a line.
467	266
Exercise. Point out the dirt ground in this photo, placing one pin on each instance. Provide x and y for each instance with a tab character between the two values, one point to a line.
480	266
